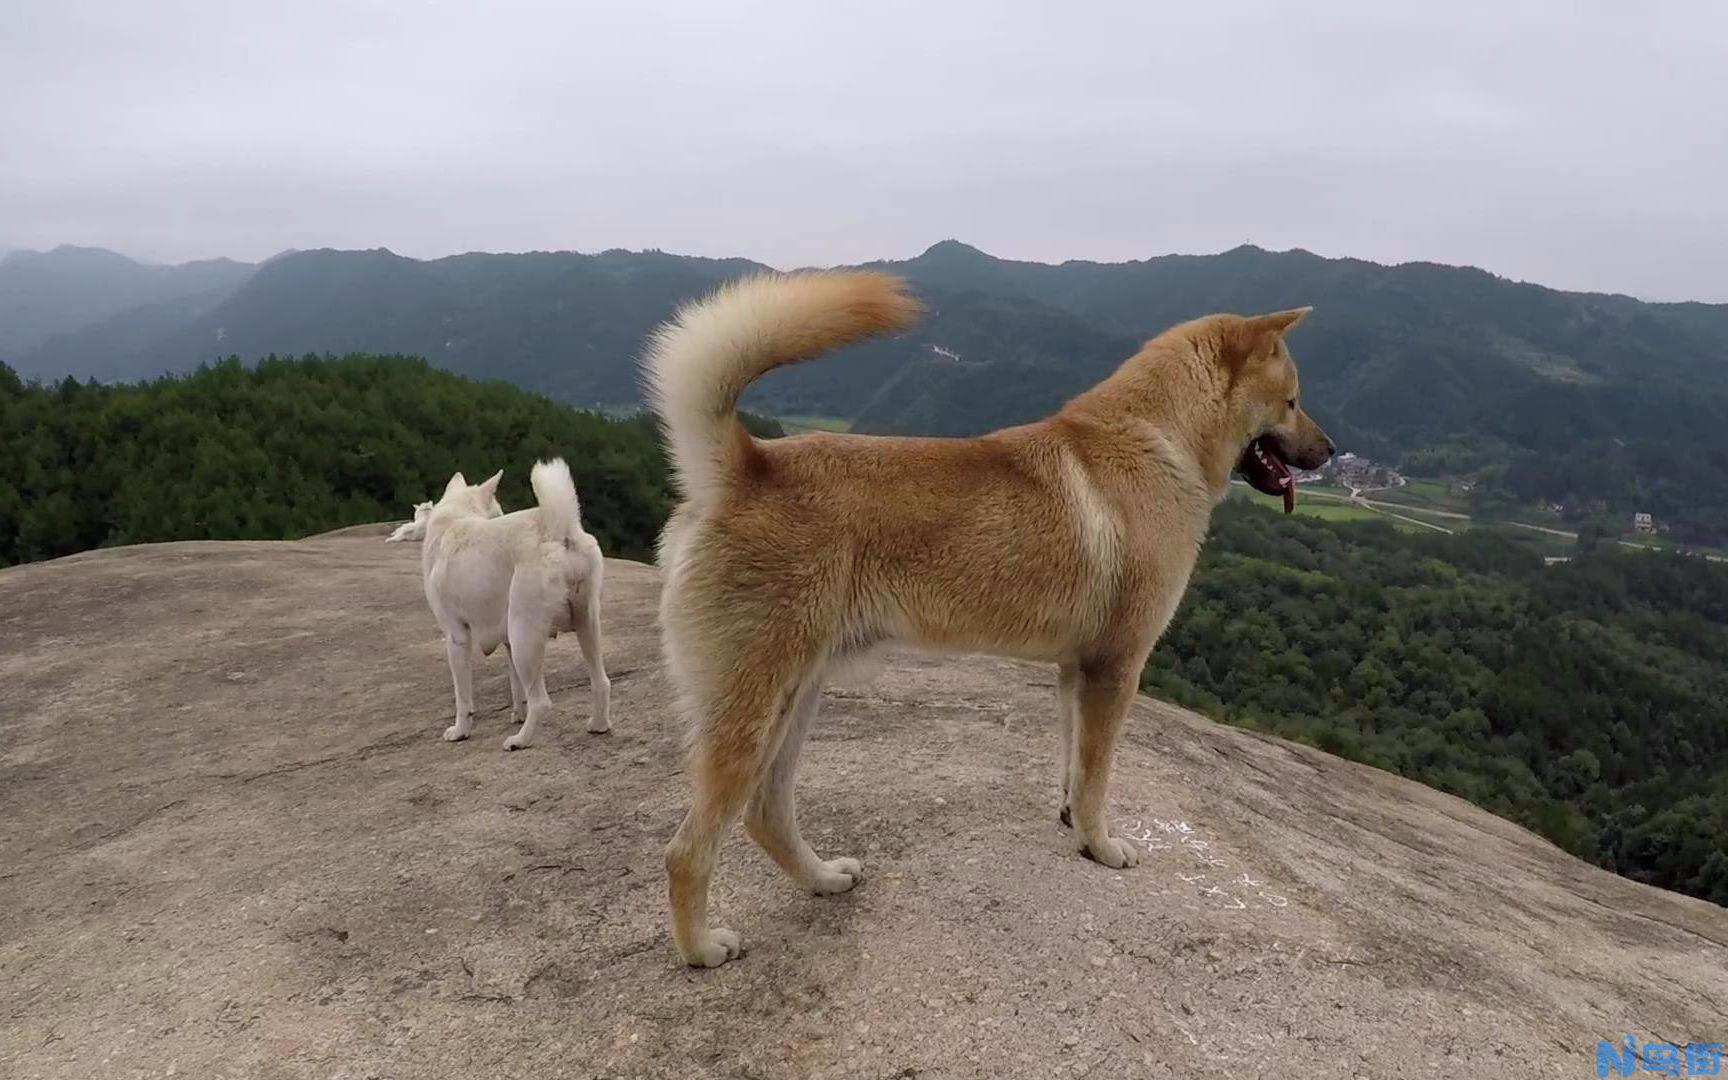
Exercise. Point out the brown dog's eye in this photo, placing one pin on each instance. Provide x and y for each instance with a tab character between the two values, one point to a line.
1290	403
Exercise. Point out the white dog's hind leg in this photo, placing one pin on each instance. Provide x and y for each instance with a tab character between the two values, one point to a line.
772	816
528	656
460	653
588	633
517	698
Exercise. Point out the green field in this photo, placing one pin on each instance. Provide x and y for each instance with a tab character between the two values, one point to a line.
1336	511
1327	505
1432	493
1545	543
1326	487
1450	524
797	424
1416	499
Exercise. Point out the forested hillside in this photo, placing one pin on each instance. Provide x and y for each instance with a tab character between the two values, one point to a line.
43	294
1587	700
294	447
1601	404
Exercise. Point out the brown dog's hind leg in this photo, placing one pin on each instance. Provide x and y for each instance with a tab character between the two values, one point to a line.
772	818
1104	695
722	788
735	731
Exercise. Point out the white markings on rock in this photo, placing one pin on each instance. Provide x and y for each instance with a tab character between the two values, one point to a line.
1159	834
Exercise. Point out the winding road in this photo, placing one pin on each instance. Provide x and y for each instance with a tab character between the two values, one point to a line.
1390	509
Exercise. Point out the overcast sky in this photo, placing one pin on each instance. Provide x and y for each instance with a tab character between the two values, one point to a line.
1579	150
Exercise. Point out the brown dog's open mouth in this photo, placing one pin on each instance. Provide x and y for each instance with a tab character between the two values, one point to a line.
1267	472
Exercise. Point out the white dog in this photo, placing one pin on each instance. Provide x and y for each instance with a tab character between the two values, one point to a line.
514	580
413	530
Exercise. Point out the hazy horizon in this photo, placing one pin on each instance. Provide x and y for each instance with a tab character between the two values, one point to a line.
6	250
1538	142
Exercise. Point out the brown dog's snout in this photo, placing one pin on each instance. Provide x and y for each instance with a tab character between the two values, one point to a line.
1312	447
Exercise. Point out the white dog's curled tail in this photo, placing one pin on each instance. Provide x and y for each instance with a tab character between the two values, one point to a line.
698	364
555	492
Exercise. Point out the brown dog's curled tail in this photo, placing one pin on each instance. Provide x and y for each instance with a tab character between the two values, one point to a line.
698	364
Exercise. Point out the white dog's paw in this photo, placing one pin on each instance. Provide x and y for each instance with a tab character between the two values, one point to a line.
1113	852
837	876
715	949
455	733
517	742
599	726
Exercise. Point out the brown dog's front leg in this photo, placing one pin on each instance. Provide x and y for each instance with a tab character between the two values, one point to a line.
1104	695
1067	709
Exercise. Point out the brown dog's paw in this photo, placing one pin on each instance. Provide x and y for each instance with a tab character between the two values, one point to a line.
1116	853
716	948
837	876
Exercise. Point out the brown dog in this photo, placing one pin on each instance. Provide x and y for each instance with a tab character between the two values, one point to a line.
1068	540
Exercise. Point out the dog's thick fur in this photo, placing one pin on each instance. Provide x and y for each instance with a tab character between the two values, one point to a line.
1068	540
412	530
515	580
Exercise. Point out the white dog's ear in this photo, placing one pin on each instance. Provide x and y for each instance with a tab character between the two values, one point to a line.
490	484
456	484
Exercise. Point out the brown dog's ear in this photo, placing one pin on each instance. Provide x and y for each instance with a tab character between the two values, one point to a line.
1253	336
1276	324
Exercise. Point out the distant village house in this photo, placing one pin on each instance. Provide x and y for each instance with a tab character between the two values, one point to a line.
1355	471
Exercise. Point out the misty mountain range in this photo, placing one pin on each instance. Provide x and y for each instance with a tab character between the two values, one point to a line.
1597	399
